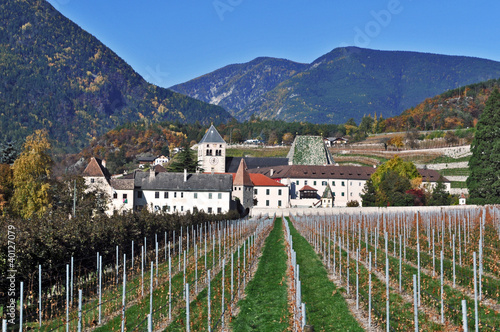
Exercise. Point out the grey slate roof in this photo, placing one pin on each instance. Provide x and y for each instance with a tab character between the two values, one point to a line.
232	163
175	181
122	184
212	136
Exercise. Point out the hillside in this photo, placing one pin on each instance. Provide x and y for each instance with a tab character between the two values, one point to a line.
345	83
235	86
57	76
457	108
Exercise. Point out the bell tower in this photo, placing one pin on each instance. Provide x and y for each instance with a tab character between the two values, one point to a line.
212	151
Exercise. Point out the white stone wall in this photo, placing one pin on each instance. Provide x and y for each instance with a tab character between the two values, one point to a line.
345	210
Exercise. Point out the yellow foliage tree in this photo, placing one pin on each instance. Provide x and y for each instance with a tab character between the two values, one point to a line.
31	175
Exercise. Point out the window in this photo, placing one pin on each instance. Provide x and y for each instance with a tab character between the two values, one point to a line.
360	184
297	182
92	180
195	195
168	208
115	195
219	210
279	203
182	208
175	208
279	192
333	183
175	195
209	195
235	188
350	183
343	184
157	194
165	194
182	195
195	209
343	194
305	182
255	191
219	195
314	182
268	192
124	196
139	194
267	202
209	210
157	208
324	183
351	194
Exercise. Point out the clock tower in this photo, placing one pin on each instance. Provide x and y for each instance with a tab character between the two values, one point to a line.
212	151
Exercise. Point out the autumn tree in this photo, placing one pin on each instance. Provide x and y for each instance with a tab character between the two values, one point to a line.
287	138
484	164
397	142
31	175
403	168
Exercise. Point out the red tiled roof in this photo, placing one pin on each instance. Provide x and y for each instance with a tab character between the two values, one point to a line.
260	180
308	188
264	181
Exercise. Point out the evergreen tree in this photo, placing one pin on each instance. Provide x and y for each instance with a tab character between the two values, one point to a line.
393	190
186	159
439	194
8	153
484	164
369	195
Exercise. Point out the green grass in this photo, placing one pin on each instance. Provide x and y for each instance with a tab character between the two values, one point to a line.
257	152
458	185
326	309
265	306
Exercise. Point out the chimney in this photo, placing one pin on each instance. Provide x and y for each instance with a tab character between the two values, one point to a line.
103	163
185	175
152	172
271	173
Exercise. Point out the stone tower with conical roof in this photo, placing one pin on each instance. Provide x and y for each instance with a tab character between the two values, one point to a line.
243	186
212	151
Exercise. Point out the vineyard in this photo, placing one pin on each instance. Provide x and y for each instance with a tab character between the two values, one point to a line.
394	270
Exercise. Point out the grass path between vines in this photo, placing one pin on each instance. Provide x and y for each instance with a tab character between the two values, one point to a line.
326	309
265	305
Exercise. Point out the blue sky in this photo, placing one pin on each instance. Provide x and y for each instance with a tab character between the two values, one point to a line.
172	41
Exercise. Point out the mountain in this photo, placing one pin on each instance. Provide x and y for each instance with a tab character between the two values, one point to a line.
236	86
57	76
345	83
457	108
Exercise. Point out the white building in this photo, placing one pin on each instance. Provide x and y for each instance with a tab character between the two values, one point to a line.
346	182
183	192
